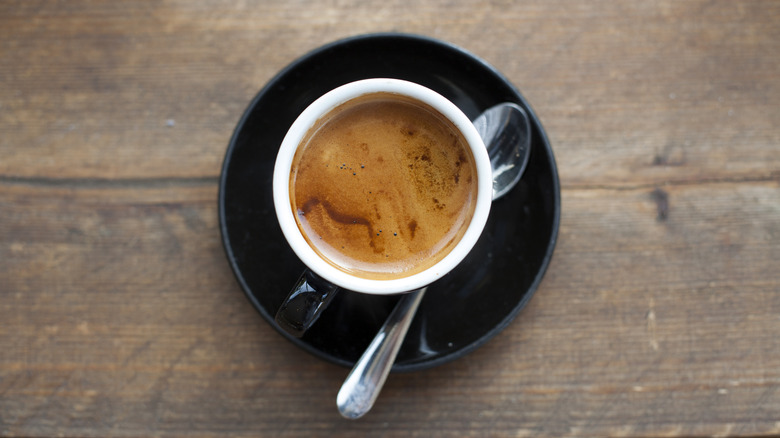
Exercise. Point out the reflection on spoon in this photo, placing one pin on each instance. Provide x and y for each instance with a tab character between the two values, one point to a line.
506	132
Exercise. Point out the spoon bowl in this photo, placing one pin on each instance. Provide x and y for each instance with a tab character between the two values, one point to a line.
506	132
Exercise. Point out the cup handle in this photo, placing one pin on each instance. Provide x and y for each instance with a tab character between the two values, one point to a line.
305	303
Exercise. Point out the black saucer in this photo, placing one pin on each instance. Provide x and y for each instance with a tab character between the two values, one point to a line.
461	311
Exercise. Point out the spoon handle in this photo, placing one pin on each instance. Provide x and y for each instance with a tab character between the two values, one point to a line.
365	381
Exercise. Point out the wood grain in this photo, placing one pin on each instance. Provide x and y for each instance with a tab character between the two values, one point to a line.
658	316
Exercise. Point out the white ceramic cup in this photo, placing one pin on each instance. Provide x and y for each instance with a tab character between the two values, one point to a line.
281	188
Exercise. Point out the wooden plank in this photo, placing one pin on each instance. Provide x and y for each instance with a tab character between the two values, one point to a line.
120	317
629	93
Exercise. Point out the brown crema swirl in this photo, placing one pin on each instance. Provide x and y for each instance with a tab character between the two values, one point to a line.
383	186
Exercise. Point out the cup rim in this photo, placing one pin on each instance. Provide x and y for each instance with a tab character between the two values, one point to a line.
329	101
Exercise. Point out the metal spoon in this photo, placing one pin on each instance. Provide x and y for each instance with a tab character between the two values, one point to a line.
506	132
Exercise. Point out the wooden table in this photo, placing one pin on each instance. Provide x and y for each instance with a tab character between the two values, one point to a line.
660	312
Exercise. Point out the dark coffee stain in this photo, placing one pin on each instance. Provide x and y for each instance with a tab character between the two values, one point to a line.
412	227
661	199
458	164
344	219
334	214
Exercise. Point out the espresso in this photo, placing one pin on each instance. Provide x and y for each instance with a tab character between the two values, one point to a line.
383	186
